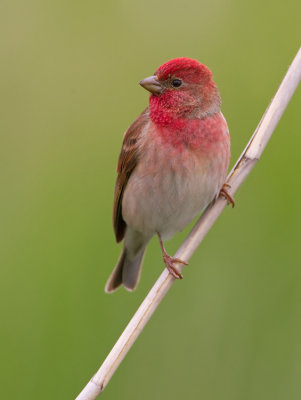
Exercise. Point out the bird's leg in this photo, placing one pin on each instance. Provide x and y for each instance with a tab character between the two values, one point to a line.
170	261
224	192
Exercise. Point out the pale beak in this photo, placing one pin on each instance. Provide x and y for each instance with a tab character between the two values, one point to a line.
151	84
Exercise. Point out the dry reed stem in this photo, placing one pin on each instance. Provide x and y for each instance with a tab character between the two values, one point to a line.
240	171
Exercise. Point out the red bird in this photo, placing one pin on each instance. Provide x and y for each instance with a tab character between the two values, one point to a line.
173	163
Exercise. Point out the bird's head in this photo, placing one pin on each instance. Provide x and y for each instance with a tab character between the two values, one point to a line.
181	88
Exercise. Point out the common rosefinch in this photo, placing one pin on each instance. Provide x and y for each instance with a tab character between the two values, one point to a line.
172	164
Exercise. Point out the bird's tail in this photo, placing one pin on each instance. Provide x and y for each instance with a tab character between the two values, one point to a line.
126	272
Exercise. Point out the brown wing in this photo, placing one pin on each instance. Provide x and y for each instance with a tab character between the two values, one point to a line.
127	161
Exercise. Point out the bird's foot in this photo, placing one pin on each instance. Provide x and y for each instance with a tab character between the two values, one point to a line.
224	192
169	263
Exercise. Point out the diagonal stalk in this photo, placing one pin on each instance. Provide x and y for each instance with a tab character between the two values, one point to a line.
240	171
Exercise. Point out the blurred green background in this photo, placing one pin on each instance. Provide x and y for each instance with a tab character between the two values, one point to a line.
69	71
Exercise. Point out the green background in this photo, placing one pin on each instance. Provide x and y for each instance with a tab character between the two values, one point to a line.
68	76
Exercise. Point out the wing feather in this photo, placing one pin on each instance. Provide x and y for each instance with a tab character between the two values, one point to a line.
127	162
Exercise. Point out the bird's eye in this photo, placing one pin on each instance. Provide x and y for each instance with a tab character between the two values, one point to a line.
176	83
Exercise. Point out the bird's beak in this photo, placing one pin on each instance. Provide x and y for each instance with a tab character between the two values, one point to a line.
151	84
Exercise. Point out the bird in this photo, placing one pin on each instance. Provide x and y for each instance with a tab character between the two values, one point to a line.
173	162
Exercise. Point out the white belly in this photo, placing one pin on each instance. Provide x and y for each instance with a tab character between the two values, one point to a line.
166	191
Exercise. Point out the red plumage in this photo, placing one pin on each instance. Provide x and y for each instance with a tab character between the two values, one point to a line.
187	68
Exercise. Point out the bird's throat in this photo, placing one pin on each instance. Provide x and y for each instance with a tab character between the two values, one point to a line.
196	134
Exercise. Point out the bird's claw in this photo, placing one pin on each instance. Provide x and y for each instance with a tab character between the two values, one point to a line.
223	192
169	263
